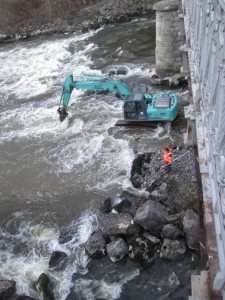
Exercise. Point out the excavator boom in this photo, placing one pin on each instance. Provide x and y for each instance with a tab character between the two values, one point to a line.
138	107
90	83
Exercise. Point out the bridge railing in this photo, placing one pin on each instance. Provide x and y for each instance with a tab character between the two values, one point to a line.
205	36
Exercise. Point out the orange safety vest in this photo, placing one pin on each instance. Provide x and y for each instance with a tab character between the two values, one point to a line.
167	157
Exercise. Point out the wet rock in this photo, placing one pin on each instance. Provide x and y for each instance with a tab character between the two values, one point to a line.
117	249
7	288
174	81
173	249
95	246
44	288
120	224
106	206
191	229
146	172
57	259
126	203
141	249
123	206
152	216
139	164
171	231
121	71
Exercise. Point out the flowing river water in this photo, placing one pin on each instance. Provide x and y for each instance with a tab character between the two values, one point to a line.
54	175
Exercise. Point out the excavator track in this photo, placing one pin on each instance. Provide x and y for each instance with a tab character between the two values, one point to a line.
136	124
142	124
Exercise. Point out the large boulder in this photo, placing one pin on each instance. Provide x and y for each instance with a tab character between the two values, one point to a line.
121	224
152	216
95	246
173	249
140	164
191	229
117	249
44	288
7	288
142	248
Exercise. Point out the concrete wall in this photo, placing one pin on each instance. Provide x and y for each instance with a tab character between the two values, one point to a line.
169	37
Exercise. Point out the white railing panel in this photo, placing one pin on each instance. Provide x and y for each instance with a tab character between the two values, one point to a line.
205	25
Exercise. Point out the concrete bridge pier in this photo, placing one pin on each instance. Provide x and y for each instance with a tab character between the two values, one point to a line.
169	37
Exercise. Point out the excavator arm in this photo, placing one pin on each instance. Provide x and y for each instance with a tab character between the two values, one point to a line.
90	83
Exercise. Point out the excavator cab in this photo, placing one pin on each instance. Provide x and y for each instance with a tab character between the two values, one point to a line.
135	108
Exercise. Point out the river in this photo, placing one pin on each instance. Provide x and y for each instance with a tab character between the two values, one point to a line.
54	175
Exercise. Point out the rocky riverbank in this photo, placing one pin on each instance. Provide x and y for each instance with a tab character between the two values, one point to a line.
25	20
161	225
163	221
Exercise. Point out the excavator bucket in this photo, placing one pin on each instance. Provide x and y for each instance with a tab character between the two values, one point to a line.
62	114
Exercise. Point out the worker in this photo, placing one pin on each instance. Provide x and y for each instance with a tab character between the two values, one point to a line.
168	159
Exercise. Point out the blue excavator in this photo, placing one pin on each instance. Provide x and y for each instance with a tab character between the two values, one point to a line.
139	108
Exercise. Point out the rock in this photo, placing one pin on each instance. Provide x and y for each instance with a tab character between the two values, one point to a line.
127	203
138	167
57	259
141	249
122	71
7	288
171	231
191	229
152	216
177	80
123	206
151	238
161	193
176	190
27	19
121	224
106	206
95	246
173	249
183	194
117	249
44	287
